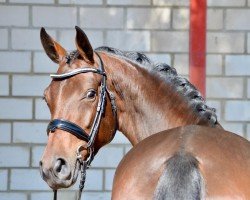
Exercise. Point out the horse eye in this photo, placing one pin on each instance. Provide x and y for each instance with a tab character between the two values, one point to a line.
91	94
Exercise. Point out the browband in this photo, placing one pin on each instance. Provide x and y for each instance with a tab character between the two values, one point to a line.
77	71
69	127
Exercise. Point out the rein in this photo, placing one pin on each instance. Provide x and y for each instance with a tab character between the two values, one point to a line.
76	130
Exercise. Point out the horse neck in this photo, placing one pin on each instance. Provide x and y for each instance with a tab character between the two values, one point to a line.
146	104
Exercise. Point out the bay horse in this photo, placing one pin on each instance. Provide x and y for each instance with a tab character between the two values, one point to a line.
180	150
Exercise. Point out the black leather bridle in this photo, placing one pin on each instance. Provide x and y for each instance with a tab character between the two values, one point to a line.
76	130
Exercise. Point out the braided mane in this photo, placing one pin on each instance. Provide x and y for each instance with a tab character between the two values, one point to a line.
168	74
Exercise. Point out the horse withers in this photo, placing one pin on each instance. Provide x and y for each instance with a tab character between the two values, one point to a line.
181	151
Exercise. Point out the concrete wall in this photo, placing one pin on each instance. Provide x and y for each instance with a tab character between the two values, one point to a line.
156	27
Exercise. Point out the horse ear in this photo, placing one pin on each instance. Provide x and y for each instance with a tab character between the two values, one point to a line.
83	45
51	47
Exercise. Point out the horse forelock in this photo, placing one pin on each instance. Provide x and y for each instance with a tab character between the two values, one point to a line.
71	56
167	74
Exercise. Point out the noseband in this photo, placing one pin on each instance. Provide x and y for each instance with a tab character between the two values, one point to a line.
76	130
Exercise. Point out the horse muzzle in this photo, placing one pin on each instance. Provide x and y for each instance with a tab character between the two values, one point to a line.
59	174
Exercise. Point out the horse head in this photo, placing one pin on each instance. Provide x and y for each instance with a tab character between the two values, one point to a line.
80	106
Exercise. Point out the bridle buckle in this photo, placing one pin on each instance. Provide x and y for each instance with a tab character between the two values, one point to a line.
79	156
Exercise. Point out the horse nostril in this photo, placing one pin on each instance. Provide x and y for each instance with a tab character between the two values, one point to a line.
40	164
43	171
61	168
60	163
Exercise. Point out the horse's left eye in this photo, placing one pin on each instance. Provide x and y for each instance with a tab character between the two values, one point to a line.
91	94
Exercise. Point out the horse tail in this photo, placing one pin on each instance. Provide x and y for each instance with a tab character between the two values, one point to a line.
181	179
